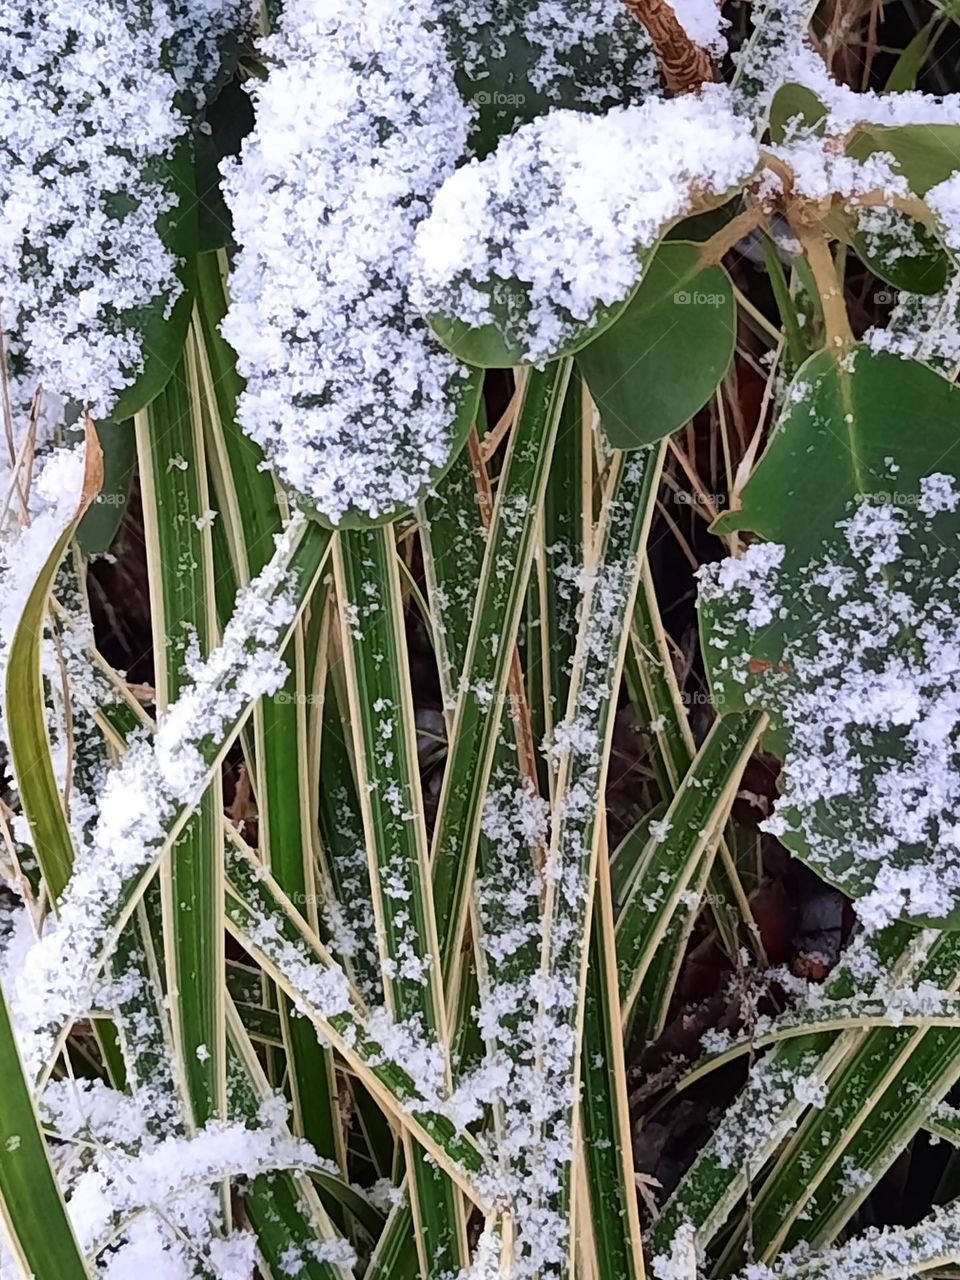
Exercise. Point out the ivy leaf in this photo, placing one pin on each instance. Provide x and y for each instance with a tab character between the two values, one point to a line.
843	628
663	358
163	334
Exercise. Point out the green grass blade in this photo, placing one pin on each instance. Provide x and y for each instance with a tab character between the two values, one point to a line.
24	702
176	506
567	519
270	930
208	719
381	710
876	1102
777	1095
283	1208
677	847
486	667
582	756
349	913
605	1106
453	537
37	1227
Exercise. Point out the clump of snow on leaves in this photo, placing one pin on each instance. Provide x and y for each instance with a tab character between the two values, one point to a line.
595	191
348	392
86	108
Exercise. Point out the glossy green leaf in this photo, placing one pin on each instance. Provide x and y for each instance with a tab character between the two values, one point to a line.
662	359
925	154
502	67
103	517
795	107
909	258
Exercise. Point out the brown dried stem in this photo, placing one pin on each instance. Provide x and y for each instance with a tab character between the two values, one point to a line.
683	64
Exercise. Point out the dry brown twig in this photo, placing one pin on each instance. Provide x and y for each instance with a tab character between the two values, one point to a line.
685	66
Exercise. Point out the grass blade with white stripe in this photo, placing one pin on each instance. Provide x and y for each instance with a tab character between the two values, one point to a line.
675	850
490	652
24	701
778	1093
388	782
37	1227
582	744
176	507
269	929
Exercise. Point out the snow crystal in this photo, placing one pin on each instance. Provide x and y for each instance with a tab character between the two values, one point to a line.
348	392
596	190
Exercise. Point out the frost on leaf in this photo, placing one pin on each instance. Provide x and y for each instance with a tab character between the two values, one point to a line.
854	653
554	225
359	121
86	109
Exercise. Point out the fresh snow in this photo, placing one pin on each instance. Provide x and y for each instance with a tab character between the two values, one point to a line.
348	391
596	192
85	106
871	784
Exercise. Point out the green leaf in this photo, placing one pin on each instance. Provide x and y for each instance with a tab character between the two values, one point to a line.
774	1099
496	64
662	359
26	708
925	154
173	485
907	256
840	451
795	107
103	517
501	344
162	334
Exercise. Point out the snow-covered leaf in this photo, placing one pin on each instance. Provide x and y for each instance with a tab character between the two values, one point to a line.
533	252
842	626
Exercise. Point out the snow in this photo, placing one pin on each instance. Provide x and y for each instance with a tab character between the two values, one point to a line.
85	106
596	191
703	23
871	785
139	802
348	392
